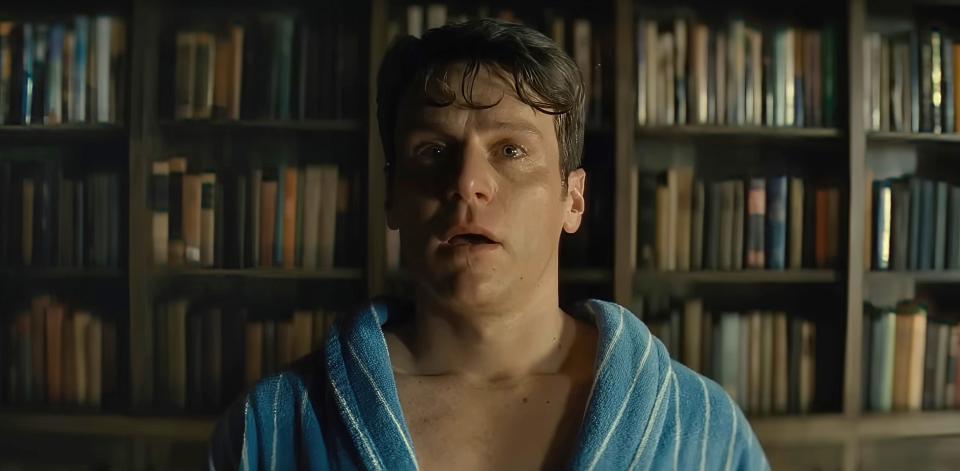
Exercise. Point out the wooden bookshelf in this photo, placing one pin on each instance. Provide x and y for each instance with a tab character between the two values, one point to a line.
738	277
148	131
348	274
242	126
739	132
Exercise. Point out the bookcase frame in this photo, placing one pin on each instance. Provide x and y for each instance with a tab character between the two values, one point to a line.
847	430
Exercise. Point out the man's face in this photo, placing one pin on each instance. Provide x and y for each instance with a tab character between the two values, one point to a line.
478	197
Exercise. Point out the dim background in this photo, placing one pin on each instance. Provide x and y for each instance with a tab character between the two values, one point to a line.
191	192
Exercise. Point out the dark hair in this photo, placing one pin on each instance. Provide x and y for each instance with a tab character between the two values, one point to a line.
543	75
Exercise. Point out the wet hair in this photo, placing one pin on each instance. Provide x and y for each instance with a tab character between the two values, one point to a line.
543	76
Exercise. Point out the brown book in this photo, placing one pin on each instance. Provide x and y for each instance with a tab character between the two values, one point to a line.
319	334
94	362
268	220
253	366
822	229
192	237
780	364
692	330
755	342
808	361
284	343
54	354
208	197
311	216
81	322
176	246
833	227
290	217
38	331
177	352
26	232
326	244
67	362
160	205
236	82
796	223
684	215
915	375
223	77
302	333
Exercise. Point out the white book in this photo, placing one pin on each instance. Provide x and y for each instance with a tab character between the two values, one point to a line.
436	15
102	68
415	20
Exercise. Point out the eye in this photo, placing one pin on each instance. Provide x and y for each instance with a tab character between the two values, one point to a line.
430	151
512	151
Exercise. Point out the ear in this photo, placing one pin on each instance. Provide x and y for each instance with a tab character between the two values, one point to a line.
576	205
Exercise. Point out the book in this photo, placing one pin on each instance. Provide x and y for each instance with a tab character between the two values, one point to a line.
699	206
726	225
253	366
94	358
81	323
692	329
739	208
176	245
160	207
268	209
780	363
901	228
212	351
255	205
808	361
882	238
648	222
883	336
756	209
940	365
684	215
940	225
728	373
302	341
766	363
796	223
192	217
776	244
186	63
204	53
931	349
329	179
755	357
953	231
177	352
926	232
291	179
208	199
54	352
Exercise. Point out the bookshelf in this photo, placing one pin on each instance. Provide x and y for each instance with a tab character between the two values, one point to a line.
617	145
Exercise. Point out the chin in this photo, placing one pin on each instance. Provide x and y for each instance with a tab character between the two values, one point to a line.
466	289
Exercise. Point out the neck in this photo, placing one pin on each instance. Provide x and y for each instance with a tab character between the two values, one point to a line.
508	342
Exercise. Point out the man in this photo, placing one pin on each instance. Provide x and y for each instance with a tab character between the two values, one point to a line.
482	127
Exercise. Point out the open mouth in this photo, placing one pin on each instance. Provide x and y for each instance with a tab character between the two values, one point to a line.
469	239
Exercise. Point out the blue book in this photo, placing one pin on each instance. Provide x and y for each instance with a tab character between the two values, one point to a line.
883	326
278	228
940	226
78	106
916	197
926	225
882	224
914	82
27	84
953	224
777	222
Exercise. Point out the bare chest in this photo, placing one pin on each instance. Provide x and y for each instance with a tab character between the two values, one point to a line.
459	426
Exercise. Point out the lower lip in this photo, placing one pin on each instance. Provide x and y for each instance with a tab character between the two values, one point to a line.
471	248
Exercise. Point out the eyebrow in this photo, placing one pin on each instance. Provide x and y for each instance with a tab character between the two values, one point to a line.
521	127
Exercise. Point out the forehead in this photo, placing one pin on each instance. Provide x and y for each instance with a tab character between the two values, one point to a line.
488	98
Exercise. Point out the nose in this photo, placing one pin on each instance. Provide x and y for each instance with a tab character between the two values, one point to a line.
473	180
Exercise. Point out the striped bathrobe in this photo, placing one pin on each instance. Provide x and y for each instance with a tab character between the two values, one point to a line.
339	409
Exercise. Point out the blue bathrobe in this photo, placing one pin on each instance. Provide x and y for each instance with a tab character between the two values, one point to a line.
338	408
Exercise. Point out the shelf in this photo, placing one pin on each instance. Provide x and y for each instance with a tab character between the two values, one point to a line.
733	277
61	272
313	125
113	425
801	429
912	137
752	132
909	424
943	276
350	274
70	131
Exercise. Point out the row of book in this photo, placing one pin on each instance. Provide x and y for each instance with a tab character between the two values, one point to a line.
908	81
690	72
271	67
911	358
765	360
916	224
58	355
685	223
583	45
276	216
205	354
71	71
48	219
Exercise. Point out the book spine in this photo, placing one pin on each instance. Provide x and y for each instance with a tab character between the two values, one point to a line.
940	226
777	223
883	224
756	211
208	201
953	240
916	199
